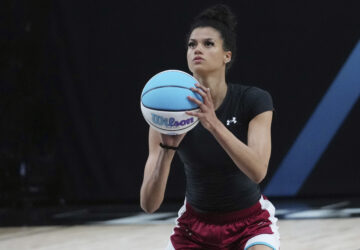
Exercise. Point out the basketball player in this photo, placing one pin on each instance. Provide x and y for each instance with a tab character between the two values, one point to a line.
225	156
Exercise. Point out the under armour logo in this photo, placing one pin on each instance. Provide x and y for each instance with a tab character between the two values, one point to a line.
231	121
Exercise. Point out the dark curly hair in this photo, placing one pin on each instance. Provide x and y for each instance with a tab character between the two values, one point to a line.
221	18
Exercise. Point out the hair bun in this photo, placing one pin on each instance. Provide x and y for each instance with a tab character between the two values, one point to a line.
220	13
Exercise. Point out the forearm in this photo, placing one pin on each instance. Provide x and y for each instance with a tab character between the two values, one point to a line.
246	159
155	179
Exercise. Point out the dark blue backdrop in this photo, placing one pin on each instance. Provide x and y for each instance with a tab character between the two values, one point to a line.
92	60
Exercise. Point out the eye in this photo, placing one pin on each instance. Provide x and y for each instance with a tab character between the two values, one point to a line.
191	44
209	43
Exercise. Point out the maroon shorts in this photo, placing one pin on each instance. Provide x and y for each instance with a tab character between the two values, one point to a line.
242	229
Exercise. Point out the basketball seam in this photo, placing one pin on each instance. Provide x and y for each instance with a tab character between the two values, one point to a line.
172	110
159	87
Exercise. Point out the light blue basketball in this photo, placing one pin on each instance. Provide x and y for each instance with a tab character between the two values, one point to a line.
164	102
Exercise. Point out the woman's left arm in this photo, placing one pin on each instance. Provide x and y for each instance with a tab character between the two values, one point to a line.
253	158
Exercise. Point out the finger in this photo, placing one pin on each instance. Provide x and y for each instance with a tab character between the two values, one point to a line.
195	100
203	88
199	90
192	113
197	114
204	92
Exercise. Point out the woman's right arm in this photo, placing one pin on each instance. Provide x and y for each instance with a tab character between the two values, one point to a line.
157	170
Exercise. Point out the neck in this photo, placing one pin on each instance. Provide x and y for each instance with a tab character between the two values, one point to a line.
217	85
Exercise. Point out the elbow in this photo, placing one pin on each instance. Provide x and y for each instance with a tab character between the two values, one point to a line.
258	179
149	203
260	176
148	208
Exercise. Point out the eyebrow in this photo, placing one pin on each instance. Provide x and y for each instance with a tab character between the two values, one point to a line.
205	39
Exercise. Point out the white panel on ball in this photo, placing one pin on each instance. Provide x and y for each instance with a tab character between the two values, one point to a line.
169	122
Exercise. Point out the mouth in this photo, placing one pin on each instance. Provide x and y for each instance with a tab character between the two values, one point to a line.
198	59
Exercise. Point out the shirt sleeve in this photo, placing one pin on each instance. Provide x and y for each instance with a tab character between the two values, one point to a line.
256	102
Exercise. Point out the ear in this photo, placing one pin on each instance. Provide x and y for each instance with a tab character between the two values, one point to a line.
227	56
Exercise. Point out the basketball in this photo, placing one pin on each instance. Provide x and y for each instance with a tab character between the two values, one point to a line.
164	102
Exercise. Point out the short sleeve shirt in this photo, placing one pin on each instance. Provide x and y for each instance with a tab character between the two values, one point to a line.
213	181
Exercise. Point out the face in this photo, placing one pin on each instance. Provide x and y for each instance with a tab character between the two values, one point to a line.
205	51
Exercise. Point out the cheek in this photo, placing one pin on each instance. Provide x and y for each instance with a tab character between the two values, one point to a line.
188	59
217	57
188	54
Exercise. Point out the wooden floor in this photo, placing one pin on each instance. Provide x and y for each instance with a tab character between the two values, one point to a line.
305	234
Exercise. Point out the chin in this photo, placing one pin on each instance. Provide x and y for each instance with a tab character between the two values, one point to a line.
199	70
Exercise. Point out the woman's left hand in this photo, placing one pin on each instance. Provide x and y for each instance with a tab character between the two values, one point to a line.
206	114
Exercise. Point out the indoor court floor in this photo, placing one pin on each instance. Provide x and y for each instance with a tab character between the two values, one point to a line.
320	224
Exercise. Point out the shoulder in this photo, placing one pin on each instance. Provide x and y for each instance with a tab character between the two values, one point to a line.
256	91
248	91
254	100
236	89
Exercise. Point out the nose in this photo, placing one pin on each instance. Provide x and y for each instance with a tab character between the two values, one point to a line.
197	50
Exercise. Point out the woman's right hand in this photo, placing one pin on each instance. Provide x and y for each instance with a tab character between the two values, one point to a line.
172	140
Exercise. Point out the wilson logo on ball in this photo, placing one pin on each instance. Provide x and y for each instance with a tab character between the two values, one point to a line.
170	122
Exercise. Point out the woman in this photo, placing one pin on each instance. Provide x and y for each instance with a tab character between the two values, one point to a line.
225	157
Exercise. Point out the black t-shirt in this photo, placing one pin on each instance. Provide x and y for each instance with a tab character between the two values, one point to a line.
213	181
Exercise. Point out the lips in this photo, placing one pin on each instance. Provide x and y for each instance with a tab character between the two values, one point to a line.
198	58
